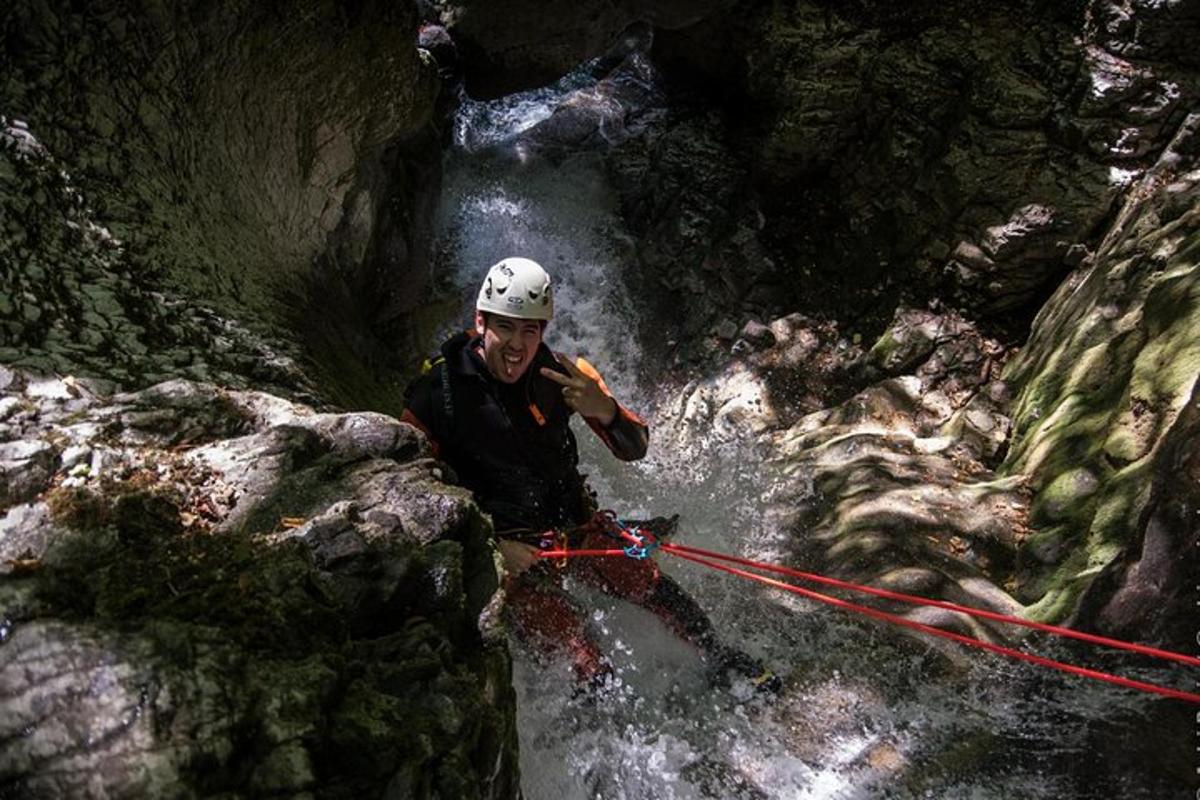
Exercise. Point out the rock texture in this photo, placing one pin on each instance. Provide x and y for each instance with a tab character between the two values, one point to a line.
74	302
972	153
1099	422
209	592
870	156
893	486
237	154
699	258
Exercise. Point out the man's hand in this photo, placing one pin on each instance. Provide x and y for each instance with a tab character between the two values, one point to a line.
582	393
518	556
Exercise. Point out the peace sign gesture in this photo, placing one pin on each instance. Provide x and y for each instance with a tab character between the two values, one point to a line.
583	392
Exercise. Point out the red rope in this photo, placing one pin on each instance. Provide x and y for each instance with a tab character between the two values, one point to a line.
701	556
907	623
573	553
924	601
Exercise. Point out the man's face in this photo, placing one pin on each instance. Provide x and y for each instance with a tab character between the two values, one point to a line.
509	344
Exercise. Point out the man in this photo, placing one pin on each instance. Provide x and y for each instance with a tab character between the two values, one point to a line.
496	407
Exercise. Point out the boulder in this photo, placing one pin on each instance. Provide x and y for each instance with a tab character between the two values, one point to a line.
249	597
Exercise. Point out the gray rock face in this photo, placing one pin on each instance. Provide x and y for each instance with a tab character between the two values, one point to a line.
26	530
238	594
940	149
79	306
226	157
699	257
25	466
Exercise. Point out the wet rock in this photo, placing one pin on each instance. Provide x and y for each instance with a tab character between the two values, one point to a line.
528	44
893	504
685	201
893	484
809	365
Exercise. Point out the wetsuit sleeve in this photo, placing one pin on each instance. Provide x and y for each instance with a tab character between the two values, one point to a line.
628	435
418	409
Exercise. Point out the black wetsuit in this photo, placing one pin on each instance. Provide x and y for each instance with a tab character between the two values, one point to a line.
511	444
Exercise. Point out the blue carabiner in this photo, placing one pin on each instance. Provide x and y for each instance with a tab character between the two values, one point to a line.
642	549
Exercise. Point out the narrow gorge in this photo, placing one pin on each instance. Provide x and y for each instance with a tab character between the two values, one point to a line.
908	293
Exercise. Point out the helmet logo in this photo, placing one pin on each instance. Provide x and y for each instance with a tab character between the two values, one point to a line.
488	289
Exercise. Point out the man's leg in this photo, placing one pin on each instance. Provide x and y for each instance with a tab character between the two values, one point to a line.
641	582
544	617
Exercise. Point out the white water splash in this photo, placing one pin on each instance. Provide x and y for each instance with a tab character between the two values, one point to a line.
560	216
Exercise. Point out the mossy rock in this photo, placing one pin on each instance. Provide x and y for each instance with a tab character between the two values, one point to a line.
1070	496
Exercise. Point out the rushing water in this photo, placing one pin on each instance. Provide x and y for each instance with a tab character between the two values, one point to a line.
866	712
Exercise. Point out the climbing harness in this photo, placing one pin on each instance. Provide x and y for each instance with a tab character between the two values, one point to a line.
640	543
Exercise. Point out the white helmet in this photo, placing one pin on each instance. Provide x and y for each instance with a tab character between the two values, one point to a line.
517	287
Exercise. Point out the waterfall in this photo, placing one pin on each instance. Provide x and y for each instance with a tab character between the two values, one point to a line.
864	708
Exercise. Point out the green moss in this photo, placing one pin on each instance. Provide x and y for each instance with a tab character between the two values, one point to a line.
884	350
1067	585
1098	392
1119	507
1070	496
